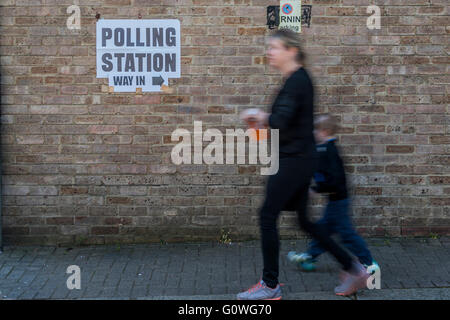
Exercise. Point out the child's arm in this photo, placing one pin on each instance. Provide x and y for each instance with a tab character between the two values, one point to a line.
329	178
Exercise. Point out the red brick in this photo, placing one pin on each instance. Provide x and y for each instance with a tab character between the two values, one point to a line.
60	221
47	69
439	179
368	191
104	230
399	149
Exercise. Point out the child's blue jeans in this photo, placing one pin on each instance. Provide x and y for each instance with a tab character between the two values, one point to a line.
336	220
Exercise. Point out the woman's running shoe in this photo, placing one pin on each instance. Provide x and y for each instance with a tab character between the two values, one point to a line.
353	280
261	291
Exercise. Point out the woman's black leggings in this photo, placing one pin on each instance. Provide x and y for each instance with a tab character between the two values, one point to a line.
292	180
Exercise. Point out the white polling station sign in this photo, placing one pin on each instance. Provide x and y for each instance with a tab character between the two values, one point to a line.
138	53
291	15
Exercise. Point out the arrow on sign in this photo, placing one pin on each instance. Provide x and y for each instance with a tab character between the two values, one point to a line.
157	81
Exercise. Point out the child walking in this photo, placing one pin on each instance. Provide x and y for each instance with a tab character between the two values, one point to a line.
330	178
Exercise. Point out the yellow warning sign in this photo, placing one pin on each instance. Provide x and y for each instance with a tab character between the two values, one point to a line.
291	15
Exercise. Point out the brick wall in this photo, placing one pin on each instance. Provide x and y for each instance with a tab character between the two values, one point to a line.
82	165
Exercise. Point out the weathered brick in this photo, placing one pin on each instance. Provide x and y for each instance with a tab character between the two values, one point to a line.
439	179
104	230
59	220
399	149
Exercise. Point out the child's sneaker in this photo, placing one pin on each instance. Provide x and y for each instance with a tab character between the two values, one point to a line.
261	291
304	260
374	266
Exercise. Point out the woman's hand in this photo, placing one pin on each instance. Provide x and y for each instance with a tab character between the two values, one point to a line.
263	118
249	114
258	116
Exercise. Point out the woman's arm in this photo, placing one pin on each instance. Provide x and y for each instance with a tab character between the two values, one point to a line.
286	104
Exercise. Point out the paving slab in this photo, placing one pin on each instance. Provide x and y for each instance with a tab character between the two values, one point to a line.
416	269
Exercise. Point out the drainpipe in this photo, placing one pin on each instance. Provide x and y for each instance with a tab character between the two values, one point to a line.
1	193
